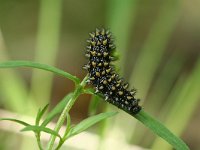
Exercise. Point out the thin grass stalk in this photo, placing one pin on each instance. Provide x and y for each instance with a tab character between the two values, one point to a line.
11	82
120	19
153	49
183	108
164	82
46	48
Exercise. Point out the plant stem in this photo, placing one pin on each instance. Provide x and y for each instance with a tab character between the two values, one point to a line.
59	145
37	135
77	92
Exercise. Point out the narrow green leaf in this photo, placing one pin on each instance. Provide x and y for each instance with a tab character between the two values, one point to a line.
38	129
94	103
57	109
68	127
161	130
89	91
15	120
85	124
14	64
40	114
68	122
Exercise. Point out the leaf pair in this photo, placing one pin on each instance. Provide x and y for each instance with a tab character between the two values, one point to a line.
34	128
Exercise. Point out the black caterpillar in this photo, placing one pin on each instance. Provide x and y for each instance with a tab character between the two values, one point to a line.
102	76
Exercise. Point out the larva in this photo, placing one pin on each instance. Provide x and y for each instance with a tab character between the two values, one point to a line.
102	75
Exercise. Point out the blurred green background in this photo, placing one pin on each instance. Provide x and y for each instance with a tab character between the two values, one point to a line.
159	47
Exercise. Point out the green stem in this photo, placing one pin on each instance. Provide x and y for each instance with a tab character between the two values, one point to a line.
77	92
37	135
59	145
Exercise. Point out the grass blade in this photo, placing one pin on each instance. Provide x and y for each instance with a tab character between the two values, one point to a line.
20	63
89	91
161	130
154	47
85	124
68	123
15	120
118	12
47	47
40	114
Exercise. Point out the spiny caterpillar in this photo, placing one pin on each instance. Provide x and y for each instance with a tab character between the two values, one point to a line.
102	75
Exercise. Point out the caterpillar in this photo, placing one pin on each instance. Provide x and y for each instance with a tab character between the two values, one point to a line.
102	74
